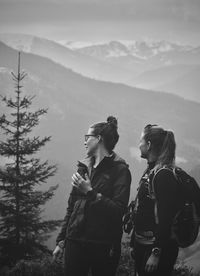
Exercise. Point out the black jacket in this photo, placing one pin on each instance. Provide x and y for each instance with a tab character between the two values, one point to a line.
91	219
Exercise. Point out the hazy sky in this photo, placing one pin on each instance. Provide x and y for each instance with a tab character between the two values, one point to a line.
96	20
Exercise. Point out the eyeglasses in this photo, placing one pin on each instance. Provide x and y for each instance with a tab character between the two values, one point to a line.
87	136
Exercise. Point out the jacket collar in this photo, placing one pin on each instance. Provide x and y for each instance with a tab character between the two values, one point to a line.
89	161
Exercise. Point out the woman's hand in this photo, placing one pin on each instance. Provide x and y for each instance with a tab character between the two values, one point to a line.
57	253
152	263
84	185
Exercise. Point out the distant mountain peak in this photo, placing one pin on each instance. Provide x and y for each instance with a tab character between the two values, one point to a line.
142	49
73	45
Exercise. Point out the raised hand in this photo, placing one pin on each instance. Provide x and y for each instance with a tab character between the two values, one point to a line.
84	185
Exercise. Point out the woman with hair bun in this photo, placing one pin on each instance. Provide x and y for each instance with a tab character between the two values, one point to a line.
92	229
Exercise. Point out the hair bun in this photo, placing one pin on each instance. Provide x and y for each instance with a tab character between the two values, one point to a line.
112	121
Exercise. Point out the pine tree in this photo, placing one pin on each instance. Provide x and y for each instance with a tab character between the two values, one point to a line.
22	230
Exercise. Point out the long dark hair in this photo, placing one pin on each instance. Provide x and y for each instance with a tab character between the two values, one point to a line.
108	132
163	144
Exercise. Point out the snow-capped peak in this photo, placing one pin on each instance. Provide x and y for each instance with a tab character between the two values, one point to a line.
74	45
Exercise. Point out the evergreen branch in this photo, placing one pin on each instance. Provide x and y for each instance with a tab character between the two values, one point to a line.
9	102
19	77
49	225
40	176
4	121
30	174
8	149
4	99
29	120
12	104
26	147
30	146
26	101
6	130
6	209
41	197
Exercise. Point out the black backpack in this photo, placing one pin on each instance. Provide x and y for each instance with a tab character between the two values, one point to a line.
186	222
185	225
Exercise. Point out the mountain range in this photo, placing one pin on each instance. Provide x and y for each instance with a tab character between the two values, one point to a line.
78	62
154	65
161	66
75	101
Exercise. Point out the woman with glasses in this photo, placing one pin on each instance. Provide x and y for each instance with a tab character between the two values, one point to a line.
92	229
154	249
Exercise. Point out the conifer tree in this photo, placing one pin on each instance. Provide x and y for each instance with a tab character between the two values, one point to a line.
22	229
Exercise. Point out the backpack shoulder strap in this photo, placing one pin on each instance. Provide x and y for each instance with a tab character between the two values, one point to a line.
153	189
155	174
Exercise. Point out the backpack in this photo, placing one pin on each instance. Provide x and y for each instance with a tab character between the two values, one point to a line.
185	226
